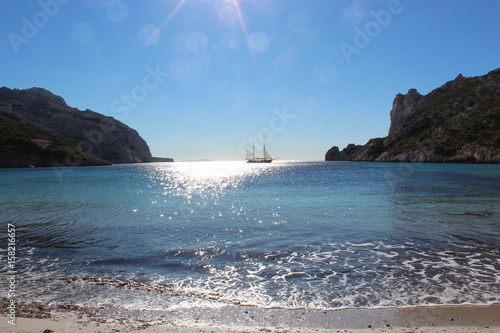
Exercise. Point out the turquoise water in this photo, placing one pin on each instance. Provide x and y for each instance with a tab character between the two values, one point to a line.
322	235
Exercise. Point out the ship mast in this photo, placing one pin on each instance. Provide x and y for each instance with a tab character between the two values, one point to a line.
264	147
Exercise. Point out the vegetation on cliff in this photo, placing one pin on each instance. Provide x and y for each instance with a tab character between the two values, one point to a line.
18	148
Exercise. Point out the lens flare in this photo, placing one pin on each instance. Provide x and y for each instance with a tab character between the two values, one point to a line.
197	42
258	42
117	11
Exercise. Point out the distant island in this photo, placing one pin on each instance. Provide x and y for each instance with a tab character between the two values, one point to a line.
161	159
38	128
458	122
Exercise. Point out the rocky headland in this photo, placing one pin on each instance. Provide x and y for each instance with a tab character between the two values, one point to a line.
38	128
458	122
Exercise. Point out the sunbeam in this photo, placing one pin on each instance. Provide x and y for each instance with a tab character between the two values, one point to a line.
240	18
174	11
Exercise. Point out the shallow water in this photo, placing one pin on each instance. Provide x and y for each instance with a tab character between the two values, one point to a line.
321	235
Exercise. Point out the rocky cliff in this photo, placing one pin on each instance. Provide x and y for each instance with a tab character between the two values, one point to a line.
347	154
104	137
457	122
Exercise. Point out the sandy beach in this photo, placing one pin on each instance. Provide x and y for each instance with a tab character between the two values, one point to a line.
41	318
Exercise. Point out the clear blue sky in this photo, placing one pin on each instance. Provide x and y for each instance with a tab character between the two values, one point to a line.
205	78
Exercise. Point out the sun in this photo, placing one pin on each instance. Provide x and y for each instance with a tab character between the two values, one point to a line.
227	10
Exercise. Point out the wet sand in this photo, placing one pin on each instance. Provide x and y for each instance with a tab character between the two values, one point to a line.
70	318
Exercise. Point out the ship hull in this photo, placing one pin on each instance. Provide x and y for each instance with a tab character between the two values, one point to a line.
259	161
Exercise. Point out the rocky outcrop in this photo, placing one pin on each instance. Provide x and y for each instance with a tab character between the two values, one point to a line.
408	105
402	107
103	137
349	153
458	122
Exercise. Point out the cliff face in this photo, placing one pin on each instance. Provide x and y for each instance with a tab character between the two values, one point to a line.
458	122
101	136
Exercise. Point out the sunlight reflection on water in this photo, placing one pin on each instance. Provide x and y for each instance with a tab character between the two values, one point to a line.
203	178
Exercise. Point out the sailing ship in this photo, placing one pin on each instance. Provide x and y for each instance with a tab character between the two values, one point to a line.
252	159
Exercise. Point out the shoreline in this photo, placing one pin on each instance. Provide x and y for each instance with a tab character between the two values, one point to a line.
37	317
490	164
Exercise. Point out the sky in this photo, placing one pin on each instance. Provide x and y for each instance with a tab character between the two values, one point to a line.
205	79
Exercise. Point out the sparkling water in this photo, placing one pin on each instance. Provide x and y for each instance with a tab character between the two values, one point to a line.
319	235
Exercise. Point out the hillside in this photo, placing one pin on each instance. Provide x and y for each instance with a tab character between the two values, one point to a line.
18	148
457	122
91	133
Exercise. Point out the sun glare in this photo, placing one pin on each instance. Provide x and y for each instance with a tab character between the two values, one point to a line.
236	6
228	12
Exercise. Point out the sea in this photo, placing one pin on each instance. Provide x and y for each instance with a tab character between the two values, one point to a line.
288	235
